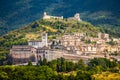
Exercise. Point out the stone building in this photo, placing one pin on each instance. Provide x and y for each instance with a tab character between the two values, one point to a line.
45	16
41	52
23	54
38	43
71	40
89	49
103	36
54	54
34	51
76	17
75	44
69	46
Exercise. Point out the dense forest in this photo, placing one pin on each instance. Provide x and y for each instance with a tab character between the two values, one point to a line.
62	69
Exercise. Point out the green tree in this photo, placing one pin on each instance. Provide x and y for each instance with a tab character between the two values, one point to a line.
81	65
103	63
61	65
3	76
71	77
53	64
44	61
70	66
40	62
83	75
30	63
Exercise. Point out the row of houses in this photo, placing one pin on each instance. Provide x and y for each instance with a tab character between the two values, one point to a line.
95	44
70	46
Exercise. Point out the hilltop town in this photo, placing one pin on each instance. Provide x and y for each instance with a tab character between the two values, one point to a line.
72	46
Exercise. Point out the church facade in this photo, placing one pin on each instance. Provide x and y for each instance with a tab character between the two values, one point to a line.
38	43
34	51
31	52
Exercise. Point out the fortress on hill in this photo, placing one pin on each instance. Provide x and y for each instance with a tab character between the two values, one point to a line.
45	16
76	17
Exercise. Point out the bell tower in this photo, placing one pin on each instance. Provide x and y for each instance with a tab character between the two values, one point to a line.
44	39
77	16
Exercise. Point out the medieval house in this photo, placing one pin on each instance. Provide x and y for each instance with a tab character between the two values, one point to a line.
69	46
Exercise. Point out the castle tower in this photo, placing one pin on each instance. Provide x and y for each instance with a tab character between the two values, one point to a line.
77	16
100	35
44	39
45	14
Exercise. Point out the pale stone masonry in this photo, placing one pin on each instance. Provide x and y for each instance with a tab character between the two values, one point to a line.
103	36
69	46
34	51
45	16
77	41
75	17
23	54
38	43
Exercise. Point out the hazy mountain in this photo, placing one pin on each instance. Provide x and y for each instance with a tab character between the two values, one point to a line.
16	13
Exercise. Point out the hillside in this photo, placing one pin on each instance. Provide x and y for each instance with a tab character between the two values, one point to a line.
17	13
54	28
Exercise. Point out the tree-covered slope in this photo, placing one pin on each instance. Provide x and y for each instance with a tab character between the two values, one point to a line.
16	13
